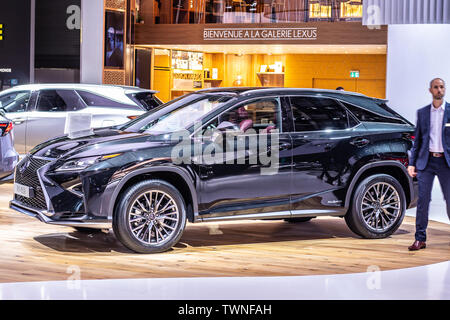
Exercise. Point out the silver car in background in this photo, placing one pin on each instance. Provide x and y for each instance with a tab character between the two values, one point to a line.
39	111
8	156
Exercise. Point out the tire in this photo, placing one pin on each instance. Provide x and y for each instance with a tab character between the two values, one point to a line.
87	230
367	216
152	231
297	220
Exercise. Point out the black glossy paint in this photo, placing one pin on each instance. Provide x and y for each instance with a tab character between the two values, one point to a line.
317	169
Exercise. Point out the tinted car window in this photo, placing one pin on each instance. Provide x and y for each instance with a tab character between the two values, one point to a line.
179	114
373	105
145	99
58	101
15	101
95	100
260	115
314	114
367	116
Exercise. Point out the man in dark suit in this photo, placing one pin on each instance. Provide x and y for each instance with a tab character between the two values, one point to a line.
430	157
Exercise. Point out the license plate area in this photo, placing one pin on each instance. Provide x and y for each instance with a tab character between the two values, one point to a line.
24	191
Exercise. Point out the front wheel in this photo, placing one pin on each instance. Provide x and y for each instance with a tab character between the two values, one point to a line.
378	207
150	217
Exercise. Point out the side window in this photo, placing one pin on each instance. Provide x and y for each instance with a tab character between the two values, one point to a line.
316	114
58	101
262	116
15	101
147	100
95	100
368	116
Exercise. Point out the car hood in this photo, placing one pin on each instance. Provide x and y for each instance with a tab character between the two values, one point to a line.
101	142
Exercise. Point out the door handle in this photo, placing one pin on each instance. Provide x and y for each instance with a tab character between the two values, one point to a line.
284	146
359	142
281	147
19	121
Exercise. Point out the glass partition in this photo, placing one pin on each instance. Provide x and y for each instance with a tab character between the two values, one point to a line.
254	11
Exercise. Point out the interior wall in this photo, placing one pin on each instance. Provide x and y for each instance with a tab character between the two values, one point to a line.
328	71
91	64
325	71
416	54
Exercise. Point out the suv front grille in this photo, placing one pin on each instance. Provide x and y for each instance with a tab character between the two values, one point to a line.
28	177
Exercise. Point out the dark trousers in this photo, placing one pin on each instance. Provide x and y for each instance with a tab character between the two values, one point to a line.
435	167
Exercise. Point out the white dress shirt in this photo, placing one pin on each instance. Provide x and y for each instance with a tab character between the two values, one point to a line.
436	120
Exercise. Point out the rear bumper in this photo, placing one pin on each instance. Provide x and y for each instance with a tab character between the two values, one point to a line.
41	216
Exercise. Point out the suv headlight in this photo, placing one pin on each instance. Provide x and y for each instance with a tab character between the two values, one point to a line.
81	164
78	164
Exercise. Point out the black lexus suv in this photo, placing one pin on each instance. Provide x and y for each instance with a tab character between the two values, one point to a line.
227	154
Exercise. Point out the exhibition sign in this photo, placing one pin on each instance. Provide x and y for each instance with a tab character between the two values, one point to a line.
260	34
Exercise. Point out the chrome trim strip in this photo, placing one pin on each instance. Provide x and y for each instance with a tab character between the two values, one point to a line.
258	216
276	215
106	224
50	211
315	213
41	158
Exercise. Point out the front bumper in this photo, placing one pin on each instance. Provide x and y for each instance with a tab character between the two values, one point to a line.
53	200
41	216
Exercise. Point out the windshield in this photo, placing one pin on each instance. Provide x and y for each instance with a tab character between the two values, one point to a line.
14	101
177	115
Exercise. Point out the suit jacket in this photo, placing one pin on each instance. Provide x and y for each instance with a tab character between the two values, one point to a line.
420	150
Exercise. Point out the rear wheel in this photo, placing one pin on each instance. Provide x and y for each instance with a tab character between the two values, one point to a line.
378	207
150	217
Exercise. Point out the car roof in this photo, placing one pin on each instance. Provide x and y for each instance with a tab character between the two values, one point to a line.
79	86
248	91
114	92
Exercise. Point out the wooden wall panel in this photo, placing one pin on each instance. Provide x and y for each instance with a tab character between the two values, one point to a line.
302	69
347	84
114	77
327	33
116	4
238	66
162	83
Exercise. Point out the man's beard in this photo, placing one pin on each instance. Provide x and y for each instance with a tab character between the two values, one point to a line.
438	97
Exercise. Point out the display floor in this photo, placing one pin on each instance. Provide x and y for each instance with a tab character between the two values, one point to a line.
33	251
418	283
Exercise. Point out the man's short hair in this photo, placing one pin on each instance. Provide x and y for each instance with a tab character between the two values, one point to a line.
431	82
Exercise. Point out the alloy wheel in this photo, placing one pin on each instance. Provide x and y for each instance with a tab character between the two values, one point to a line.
153	217
380	206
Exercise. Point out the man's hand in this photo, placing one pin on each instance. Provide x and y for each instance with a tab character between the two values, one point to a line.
412	171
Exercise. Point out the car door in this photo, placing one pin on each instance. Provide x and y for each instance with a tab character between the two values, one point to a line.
252	180
323	146
48	118
16	106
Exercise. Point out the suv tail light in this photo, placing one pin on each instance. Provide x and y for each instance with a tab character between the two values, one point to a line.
132	117
409	136
6	128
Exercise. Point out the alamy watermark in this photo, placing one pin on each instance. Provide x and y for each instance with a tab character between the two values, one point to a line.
228	145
